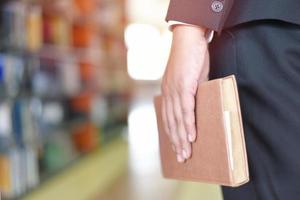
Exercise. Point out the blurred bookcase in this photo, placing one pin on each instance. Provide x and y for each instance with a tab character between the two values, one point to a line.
64	88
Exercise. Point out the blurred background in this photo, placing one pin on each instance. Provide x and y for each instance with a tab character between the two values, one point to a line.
77	78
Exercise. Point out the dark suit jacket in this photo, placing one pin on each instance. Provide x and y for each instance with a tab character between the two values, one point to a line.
232	12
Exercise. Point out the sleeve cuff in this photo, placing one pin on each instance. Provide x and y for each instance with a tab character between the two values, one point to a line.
208	35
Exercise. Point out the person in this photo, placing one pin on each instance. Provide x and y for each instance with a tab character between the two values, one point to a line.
259	42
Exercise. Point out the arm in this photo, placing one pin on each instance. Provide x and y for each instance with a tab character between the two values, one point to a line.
188	65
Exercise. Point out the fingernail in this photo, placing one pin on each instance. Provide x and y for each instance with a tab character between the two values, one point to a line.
191	138
180	159
184	153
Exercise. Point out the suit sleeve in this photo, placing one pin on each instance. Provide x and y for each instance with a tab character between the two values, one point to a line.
211	14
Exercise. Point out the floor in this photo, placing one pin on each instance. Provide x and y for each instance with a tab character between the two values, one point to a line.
143	180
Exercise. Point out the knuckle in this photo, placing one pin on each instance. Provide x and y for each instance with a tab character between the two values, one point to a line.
178	116
190	130
189	117
189	123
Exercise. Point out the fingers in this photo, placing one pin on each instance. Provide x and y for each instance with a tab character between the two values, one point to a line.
172	127
174	110
168	122
188	115
181	130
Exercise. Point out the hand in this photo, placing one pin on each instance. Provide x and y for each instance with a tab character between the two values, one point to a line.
188	65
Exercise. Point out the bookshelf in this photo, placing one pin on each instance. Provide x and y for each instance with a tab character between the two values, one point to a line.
64	86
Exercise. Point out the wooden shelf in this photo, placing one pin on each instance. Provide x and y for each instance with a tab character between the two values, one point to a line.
92	175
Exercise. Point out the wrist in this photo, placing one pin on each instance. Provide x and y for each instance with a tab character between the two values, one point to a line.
189	29
190	34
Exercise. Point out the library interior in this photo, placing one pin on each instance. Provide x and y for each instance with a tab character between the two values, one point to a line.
77	122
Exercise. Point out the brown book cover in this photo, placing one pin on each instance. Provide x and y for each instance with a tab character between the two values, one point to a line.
219	153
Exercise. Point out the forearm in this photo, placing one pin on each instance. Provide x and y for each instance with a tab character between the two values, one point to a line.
188	65
189	42
187	37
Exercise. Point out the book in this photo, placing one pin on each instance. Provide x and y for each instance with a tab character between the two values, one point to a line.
219	152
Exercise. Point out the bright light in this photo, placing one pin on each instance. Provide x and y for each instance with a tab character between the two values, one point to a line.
142	128
143	139
139	35
147	51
